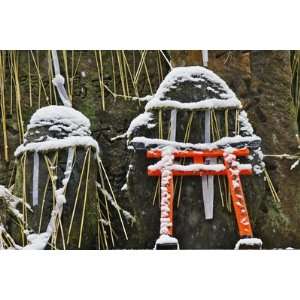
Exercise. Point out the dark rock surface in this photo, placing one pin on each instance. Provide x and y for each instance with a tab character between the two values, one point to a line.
260	79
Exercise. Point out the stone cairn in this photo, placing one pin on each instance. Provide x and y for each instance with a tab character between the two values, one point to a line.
193	109
62	183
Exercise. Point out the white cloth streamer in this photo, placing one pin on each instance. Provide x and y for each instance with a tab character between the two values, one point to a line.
35	179
208	181
59	81
173	124
205	58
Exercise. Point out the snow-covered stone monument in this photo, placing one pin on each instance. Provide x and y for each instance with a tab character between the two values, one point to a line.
195	127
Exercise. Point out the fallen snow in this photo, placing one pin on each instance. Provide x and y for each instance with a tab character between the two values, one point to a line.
166	239
249	242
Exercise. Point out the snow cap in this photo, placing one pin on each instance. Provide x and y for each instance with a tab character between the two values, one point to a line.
193	88
56	127
56	121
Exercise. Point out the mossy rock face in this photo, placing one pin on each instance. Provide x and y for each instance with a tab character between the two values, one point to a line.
262	80
3	211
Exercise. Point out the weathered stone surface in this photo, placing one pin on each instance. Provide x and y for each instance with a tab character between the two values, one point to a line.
262	80
86	97
190	226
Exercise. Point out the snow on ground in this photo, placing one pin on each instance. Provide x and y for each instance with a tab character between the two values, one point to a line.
248	242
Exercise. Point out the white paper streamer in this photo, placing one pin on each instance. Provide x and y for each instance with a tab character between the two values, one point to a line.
59	81
205	57
35	179
208	181
173	124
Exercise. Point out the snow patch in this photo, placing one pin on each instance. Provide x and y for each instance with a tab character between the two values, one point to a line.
248	242
166	239
295	164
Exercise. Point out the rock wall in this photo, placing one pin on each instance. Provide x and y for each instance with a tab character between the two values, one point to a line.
261	80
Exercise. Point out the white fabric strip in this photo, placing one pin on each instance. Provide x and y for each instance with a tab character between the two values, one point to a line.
208	181
205	57
59	81
35	179
173	124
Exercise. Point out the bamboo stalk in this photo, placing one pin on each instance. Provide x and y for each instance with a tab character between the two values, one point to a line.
41	83
185	140
121	72
100	77
14	61
65	59
106	206
76	197
3	108
113	195
271	186
85	196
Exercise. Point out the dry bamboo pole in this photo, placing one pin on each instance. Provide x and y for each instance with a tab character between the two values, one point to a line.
29	79
147	75
65	59
85	196
103	236
49	69
51	76
2	101
113	196
50	166
119	59
131	76
76	197
271	186
185	140
39	85
15	67
114	75
140	66
160	125
100	77
123	57
39	75
106	205
223	186
11	82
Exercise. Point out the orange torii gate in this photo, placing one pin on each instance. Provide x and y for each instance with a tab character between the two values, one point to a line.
230	168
